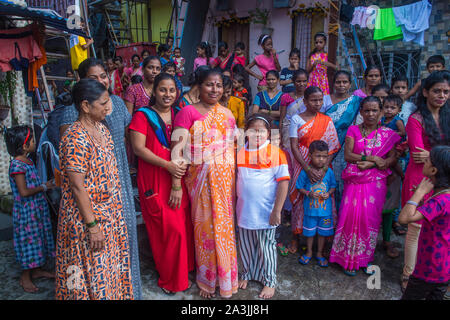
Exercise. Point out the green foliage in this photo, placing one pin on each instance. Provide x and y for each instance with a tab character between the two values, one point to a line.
8	88
260	16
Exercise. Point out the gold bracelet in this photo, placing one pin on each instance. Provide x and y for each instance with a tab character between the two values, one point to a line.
93	232
176	188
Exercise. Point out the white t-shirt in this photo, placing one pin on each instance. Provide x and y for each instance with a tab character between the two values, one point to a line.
296	122
259	171
408	108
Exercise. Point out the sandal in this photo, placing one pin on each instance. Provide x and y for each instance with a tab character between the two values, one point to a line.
282	250
350	273
398	229
366	271
168	292
304	259
403	282
322	262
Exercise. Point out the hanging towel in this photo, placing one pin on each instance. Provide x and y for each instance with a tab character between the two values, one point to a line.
38	34
385	26
24	39
414	20
364	16
358	16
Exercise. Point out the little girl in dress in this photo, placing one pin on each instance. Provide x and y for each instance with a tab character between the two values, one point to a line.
317	64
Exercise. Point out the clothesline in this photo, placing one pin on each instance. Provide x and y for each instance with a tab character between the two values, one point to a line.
408	22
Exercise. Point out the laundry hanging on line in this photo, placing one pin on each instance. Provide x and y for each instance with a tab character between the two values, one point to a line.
364	16
408	22
414	20
22	38
385	26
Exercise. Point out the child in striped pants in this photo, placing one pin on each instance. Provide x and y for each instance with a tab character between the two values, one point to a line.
262	186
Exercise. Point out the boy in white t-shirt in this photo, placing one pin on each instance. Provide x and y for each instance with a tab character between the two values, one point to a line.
262	186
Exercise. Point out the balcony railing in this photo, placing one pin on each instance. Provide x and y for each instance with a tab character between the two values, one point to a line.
59	6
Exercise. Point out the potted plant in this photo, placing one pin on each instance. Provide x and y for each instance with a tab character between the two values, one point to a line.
7	90
261	16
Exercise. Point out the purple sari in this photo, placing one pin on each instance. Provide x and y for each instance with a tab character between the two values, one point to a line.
360	213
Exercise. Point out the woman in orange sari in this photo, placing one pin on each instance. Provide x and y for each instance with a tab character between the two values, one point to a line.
207	130
306	127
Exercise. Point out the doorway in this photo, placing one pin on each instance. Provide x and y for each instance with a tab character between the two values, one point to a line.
235	33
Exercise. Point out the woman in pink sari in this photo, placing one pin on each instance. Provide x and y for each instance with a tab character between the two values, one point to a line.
207	130
426	128
369	151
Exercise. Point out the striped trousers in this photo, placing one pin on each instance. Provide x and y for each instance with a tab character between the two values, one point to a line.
257	249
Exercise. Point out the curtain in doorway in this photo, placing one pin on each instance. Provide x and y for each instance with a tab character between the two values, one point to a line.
303	38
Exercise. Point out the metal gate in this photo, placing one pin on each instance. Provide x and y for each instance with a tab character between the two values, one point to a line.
403	62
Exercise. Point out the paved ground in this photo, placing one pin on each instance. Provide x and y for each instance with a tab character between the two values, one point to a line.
296	282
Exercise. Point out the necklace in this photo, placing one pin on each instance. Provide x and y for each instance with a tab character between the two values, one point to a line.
364	132
372	141
440	192
94	139
147	91
190	99
297	96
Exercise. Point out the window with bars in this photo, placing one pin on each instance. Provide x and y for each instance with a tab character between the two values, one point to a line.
393	63
139	20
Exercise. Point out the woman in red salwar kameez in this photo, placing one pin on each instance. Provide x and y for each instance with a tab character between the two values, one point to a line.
165	208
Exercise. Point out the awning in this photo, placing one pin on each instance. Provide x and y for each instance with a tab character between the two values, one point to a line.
48	17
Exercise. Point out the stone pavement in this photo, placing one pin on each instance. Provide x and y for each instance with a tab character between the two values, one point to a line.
296	282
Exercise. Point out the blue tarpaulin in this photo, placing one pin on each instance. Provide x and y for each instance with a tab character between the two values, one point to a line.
45	16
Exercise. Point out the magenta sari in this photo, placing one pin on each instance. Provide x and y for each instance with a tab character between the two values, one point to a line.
362	201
